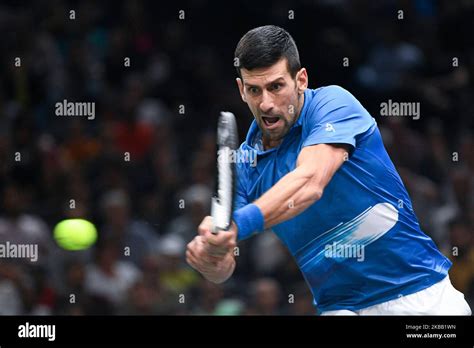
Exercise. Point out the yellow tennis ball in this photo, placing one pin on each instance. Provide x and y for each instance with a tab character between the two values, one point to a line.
75	234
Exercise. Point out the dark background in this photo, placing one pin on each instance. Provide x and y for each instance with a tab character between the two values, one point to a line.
151	204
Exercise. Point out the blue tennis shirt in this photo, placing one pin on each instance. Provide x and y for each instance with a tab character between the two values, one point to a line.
360	244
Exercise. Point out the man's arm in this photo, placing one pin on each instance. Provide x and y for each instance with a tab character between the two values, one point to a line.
303	186
212	255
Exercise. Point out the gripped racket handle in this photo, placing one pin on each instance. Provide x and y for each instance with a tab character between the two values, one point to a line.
227	143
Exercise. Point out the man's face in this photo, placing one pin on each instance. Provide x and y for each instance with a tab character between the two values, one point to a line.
274	98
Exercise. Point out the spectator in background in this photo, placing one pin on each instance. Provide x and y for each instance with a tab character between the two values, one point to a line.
196	203
458	200
266	298
207	297
461	253
203	161
176	276
390	61
24	281
72	296
79	146
130	135
110	278
162	299
300	301
136	239
16	290
19	227
141	300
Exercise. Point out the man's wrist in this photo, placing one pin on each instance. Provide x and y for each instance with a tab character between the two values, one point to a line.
248	219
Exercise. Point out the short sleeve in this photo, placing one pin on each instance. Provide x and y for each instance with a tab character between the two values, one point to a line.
240	197
336	116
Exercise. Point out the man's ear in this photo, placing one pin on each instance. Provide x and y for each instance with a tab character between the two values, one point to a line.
302	80
240	84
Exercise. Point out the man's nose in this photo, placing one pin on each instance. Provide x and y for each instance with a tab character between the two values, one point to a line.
266	104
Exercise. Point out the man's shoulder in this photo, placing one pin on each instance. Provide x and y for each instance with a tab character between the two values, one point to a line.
332	102
324	94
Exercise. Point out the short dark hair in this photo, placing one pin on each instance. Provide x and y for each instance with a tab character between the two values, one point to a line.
264	46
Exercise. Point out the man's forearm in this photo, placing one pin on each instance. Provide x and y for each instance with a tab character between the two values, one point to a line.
290	196
303	186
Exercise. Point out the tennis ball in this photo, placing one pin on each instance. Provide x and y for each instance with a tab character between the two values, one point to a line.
75	234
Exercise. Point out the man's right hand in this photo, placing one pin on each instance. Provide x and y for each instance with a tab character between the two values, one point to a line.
213	254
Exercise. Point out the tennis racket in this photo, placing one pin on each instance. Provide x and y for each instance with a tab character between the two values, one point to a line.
227	144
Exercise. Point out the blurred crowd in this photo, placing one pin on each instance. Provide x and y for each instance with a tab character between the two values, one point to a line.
143	170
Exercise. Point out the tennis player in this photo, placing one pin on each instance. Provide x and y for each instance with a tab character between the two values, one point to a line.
324	183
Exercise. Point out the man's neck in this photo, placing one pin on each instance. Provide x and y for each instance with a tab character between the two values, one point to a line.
270	144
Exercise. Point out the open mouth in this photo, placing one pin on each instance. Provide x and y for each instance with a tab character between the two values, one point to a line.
270	121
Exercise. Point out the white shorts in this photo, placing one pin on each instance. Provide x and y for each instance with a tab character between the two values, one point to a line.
439	299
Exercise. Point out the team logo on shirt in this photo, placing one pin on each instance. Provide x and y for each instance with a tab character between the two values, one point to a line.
330	128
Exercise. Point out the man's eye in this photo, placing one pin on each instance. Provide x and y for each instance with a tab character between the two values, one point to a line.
276	86
253	90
